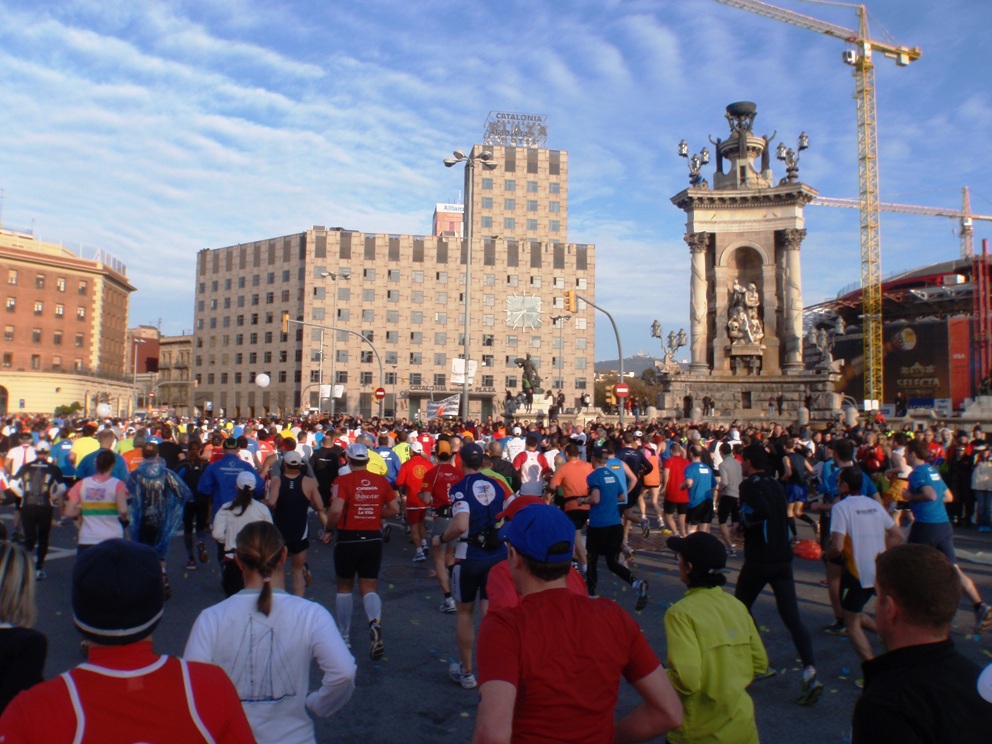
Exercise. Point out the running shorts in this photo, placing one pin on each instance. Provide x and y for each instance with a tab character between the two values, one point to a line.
938	536
701	513
358	553
728	508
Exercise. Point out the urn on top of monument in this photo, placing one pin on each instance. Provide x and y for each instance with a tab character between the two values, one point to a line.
748	156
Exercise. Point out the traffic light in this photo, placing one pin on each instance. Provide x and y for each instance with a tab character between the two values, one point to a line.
285	323
570	303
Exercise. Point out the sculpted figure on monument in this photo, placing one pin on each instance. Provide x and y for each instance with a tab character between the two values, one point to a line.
743	319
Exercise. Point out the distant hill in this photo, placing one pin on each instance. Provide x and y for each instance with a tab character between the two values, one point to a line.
636	364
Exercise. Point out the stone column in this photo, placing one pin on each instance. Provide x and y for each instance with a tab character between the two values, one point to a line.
791	240
698	289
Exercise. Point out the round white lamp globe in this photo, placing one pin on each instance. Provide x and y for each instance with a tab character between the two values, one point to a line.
103	410
262	380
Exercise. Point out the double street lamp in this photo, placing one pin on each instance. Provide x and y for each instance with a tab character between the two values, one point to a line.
334	276
559	322
486	159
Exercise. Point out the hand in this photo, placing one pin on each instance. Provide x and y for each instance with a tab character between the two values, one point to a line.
436	541
327	537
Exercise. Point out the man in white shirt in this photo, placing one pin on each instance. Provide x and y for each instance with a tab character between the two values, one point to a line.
860	529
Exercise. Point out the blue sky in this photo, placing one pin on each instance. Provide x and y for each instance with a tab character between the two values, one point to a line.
155	129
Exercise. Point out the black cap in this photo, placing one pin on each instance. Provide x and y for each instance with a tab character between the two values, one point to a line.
471	455
701	549
117	592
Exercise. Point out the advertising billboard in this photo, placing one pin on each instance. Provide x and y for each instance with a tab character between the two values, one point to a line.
927	360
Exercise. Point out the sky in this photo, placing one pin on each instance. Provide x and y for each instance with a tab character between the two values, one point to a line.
152	130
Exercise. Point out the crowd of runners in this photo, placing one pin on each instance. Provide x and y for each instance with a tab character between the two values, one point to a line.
514	517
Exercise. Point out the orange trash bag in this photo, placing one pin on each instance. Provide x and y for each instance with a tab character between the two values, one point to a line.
809	550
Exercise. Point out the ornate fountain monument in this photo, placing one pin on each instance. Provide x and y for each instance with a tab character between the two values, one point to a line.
745	297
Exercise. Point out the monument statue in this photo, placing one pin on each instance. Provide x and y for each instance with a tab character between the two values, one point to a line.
743	320
531	380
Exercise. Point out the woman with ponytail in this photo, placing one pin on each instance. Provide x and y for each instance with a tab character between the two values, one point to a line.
230	519
264	638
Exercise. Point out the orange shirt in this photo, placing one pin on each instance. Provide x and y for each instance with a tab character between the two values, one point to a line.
572	478
133	458
411	480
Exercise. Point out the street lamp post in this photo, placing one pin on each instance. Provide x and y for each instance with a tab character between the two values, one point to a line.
560	321
134	377
333	276
486	158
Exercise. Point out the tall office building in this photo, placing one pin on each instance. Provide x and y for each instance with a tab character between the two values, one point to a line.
65	326
397	302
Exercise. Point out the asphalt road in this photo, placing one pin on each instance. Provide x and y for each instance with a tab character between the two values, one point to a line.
407	696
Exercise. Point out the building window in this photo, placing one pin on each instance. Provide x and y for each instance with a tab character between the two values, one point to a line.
511	381
342	377
487	202
365	378
509	185
60	284
77	365
252	357
393	295
440	339
509	204
285	275
81	314
368	274
580	383
392	337
486	221
394	275
8	359
12	277
509	223
531	225
487	184
368	316
8	333
554	207
36	361
83	286
79	340
36	335
554	226
270	297
39	307
532	188
416	359
439	380
554	187
237	378
416	337
282	375
11	304
532	205
39	281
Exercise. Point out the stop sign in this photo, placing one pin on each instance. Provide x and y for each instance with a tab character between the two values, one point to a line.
380	393
622	390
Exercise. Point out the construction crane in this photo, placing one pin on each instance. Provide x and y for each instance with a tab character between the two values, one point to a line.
964	215
860	58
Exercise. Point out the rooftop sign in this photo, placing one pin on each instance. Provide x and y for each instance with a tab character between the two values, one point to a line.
515	130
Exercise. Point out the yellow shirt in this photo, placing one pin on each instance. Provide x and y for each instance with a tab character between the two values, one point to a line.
714	651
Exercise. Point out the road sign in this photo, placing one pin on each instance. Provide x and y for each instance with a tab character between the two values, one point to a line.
622	390
380	393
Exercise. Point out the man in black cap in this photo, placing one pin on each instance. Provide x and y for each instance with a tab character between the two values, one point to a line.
125	691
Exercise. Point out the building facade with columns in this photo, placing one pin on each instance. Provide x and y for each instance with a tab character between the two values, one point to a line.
745	235
64	326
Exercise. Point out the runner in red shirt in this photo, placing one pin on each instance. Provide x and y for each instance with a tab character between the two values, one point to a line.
409	482
360	500
676	500
438	482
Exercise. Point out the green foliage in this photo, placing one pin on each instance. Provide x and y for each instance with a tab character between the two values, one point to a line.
69	410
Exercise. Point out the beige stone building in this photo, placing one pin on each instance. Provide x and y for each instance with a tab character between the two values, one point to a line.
405	294
64	327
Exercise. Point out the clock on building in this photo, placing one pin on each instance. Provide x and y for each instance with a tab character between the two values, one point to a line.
523	311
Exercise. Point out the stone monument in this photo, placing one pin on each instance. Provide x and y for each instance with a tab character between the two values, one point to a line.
745	294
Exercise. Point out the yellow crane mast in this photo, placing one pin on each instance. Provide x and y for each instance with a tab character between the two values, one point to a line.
860	58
